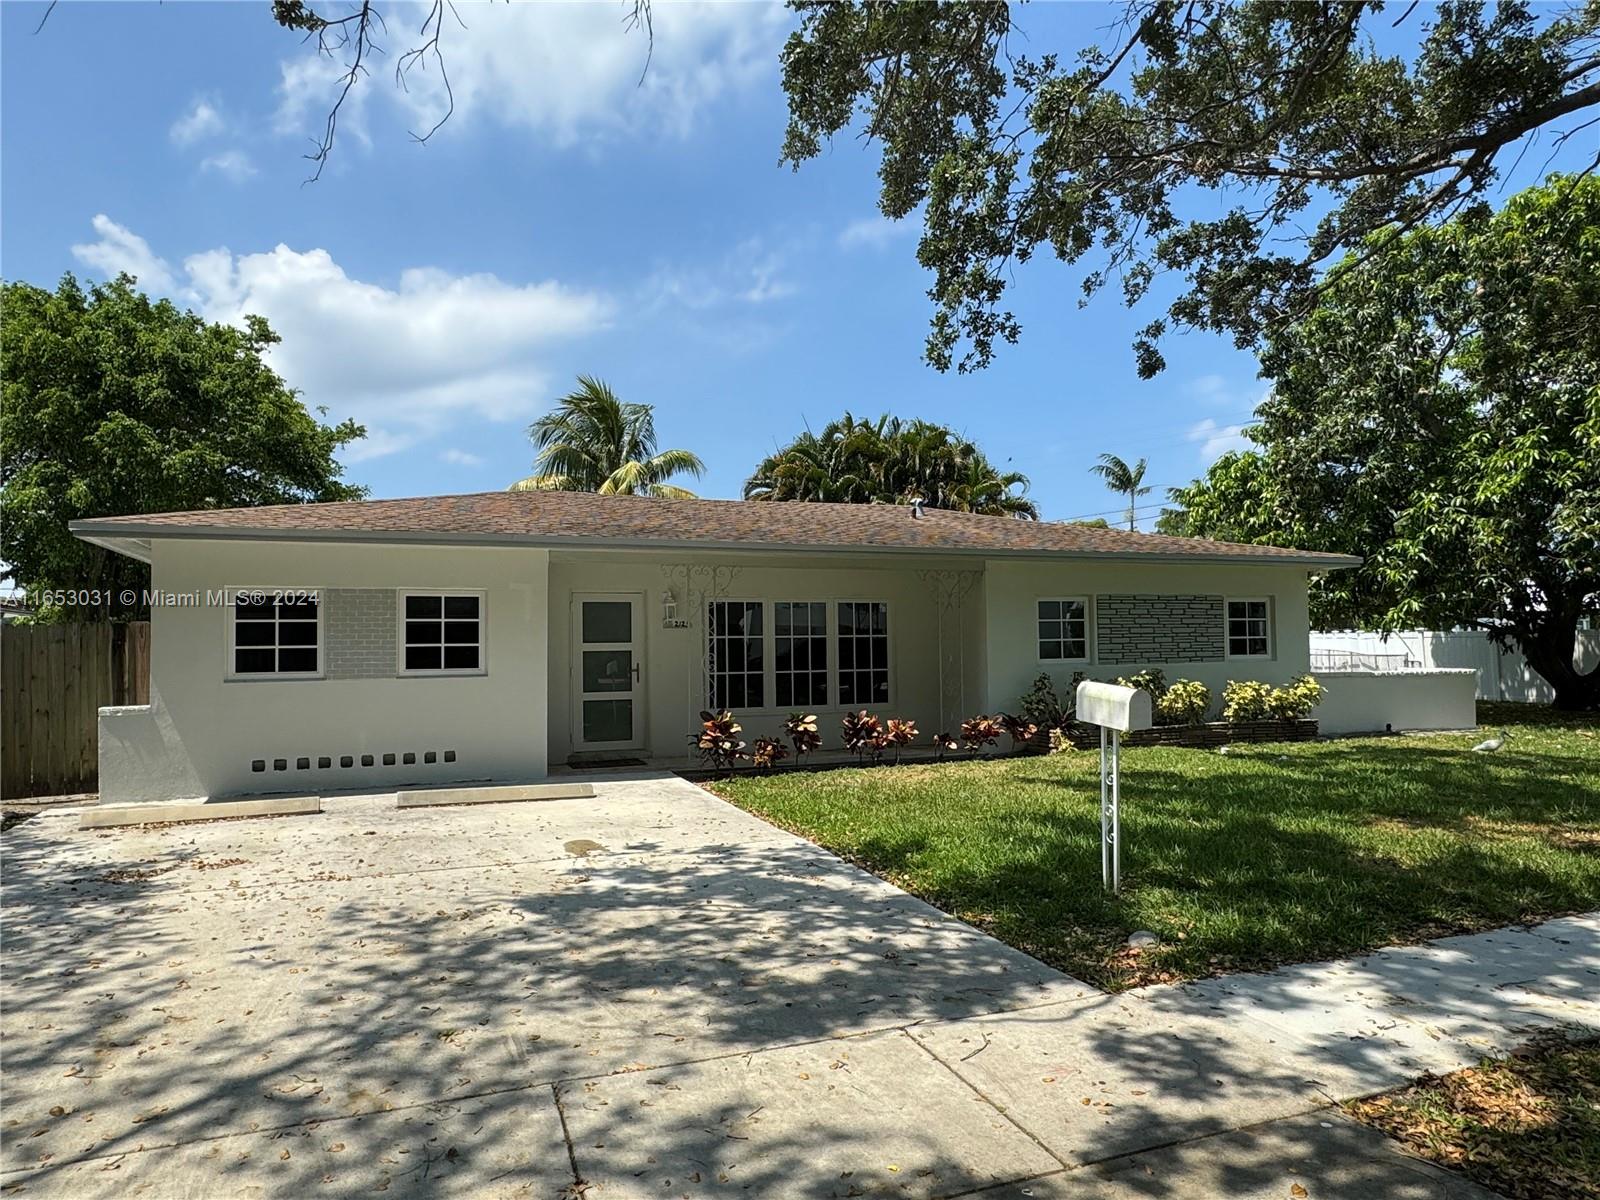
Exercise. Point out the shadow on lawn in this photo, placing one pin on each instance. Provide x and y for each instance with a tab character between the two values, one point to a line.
378	1012
1259	861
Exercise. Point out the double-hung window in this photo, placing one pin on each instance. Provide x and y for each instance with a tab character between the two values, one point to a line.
737	650
800	653
276	635
1249	628
863	653
1064	630
441	633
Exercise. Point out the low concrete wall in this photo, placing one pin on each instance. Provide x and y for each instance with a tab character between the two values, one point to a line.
1374	701
142	758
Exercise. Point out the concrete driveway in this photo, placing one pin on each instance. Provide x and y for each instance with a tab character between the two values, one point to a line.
650	993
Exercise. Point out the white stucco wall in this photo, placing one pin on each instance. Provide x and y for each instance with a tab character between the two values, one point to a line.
673	659
1375	701
203	730
1012	590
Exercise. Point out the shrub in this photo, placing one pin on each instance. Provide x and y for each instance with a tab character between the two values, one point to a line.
801	730
980	731
944	743
898	734
1295	702
767	751
1151	680
1060	743
1186	702
862	733
718	740
1020	728
1042	706
1245	700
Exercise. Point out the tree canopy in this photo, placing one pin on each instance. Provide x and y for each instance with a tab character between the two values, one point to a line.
890	461
593	442
1439	413
113	403
1311	138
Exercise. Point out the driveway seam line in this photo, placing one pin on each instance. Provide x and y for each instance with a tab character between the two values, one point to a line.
979	1092
531	1086
566	1136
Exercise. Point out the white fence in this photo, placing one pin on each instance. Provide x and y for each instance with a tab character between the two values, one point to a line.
1502	675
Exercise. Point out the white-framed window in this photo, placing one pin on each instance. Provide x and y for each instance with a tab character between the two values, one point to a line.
863	638
1064	629
736	647
275	633
1249	627
780	656
800	653
441	633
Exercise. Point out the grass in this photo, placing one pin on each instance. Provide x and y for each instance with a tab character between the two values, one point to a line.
1267	855
1527	1127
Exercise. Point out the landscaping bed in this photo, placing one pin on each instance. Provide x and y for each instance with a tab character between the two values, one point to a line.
1275	853
1526	1127
1207	734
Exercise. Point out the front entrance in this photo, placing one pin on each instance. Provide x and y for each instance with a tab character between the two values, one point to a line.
608	683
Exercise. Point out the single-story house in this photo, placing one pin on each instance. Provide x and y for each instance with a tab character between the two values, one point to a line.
388	643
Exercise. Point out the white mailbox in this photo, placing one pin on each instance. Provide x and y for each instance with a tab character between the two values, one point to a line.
1117	710
1112	706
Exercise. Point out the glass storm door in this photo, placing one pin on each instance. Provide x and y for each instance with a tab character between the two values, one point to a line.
609	673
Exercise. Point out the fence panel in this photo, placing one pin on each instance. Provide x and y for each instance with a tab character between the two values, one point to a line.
1502	674
54	679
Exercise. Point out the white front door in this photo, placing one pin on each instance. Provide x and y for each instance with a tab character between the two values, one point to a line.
608	671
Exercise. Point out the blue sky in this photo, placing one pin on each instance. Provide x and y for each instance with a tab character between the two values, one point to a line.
567	219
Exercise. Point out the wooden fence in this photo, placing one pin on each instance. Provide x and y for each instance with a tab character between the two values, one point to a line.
53	681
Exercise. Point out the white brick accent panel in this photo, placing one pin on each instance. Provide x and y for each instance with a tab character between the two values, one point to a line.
359	635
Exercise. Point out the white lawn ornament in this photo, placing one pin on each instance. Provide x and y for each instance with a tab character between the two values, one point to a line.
1490	745
1117	710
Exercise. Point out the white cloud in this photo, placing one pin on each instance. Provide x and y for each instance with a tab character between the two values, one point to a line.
1216	440
461	458
872	233
566	72
202	120
752	273
120	249
409	361
233	165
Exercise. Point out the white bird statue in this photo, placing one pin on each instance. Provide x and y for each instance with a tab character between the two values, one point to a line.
1490	745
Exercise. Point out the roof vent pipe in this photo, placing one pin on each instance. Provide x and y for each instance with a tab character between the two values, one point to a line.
916	507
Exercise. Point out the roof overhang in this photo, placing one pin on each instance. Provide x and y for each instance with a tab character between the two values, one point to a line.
122	543
133	539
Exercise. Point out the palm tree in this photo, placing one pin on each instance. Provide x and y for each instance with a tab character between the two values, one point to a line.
889	461
593	442
1123	479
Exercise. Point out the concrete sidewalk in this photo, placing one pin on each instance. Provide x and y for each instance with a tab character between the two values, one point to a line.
455	1002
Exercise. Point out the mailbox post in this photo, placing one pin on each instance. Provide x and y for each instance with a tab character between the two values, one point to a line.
1117	710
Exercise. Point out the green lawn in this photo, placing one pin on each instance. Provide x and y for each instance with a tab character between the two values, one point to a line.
1270	854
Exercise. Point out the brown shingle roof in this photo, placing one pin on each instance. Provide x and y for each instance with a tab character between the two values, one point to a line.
562	518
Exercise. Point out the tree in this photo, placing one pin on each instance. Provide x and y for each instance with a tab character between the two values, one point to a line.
1439	413
890	461
1124	480
1310	135
113	403
593	442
